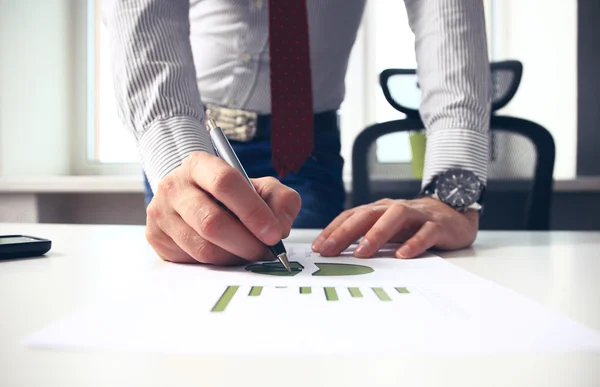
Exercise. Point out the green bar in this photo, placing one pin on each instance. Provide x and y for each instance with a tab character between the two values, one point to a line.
255	291
402	290
355	292
305	290
382	294
331	294
225	298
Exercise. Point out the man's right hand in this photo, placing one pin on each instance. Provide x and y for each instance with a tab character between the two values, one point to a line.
185	224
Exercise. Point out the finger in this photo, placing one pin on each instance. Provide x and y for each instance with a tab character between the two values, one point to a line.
283	201
388	202
165	247
331	227
202	215
423	239
350	230
201	250
231	188
395	218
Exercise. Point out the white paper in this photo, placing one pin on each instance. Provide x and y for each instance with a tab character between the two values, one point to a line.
424	305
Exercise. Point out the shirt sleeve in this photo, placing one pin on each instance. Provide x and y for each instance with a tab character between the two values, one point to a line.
155	81
454	74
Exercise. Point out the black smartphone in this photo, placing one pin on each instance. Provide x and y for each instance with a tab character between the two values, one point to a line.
23	246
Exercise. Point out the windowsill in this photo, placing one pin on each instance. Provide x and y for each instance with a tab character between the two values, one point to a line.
73	184
579	184
135	184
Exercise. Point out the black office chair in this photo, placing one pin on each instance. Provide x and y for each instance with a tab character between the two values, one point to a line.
522	153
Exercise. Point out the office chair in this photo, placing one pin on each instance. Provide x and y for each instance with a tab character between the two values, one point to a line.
521	165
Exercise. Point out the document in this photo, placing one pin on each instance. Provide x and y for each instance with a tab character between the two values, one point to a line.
330	306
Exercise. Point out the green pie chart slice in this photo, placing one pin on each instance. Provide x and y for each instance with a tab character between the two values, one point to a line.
275	268
340	269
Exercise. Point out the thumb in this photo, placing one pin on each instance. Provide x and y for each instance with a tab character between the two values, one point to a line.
284	202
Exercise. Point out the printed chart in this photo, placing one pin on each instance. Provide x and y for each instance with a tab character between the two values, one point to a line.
328	294
339	305
245	301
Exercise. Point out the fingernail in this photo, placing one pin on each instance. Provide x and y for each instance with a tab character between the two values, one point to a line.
317	244
363	249
328	247
403	252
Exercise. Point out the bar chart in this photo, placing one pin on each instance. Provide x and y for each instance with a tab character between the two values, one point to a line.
325	294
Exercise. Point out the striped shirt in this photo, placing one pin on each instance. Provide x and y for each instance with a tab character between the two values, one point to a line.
171	56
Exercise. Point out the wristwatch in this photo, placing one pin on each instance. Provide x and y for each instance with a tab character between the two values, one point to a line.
461	189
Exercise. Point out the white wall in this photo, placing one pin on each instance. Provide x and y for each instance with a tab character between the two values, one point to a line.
34	87
543	36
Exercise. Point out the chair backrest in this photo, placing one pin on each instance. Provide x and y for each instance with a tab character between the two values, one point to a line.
521	161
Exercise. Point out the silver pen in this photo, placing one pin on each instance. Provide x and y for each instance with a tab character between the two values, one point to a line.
225	152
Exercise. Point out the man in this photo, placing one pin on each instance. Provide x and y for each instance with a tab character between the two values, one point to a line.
272	73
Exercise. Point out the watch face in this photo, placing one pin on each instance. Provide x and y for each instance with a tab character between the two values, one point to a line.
458	188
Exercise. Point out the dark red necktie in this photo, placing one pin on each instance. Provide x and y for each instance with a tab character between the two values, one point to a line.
292	132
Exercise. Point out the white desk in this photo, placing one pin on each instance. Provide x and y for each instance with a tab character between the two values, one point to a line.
560	270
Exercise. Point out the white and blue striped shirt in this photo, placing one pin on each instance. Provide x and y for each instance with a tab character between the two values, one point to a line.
170	56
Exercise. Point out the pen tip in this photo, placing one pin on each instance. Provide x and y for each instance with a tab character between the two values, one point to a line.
284	261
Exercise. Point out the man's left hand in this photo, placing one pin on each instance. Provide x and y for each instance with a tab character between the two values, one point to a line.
420	224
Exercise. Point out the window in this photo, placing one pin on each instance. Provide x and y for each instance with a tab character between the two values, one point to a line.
113	144
109	141
547	46
385	41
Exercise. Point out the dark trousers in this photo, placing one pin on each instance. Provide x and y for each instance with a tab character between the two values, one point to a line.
319	181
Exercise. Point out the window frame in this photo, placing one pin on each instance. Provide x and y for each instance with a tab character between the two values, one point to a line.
88	15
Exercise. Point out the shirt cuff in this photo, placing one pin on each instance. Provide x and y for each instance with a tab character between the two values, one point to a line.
456	148
167	142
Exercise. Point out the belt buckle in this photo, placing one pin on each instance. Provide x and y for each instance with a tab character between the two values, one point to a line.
237	125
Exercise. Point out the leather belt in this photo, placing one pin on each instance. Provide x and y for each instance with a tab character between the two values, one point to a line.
245	126
237	125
